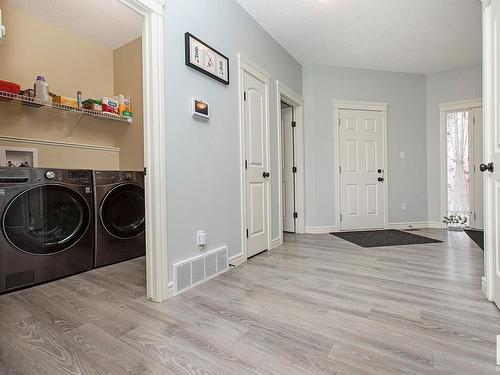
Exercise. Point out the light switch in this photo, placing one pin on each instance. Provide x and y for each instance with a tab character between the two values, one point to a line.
403	155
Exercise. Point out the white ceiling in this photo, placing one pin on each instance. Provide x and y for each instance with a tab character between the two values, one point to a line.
417	36
107	22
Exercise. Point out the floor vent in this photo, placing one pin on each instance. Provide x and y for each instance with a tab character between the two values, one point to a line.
199	269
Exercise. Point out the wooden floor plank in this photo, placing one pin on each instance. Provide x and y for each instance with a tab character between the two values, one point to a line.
316	305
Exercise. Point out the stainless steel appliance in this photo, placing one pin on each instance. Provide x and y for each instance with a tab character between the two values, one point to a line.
120	216
47	229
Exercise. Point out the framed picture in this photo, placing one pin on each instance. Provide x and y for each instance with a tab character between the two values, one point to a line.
203	58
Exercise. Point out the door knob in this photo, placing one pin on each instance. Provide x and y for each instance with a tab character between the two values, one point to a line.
380	179
486	167
265	174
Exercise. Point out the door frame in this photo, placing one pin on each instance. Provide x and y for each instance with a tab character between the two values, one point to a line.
248	66
153	73
444	108
360	106
490	89
290	97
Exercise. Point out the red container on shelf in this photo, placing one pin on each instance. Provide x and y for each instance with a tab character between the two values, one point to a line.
11	87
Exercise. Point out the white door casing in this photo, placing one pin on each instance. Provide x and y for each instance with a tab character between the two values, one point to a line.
491	128
153	62
288	162
254	84
474	107
361	162
477	158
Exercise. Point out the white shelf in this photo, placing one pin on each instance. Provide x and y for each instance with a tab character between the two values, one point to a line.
38	103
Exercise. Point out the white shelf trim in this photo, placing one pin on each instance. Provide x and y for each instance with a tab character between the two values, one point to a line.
59	143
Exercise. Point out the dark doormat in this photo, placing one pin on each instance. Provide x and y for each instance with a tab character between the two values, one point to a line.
390	237
477	236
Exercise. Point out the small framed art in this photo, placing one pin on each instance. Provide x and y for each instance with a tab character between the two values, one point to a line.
203	58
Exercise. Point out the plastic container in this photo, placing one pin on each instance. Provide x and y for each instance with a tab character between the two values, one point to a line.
41	89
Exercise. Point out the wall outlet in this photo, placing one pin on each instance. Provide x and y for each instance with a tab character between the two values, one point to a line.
403	206
201	238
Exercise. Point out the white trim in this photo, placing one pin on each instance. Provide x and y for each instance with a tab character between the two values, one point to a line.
409	225
153	63
462	104
237	259
284	93
246	65
490	92
321	230
59	143
277	242
444	108
360	106
435	225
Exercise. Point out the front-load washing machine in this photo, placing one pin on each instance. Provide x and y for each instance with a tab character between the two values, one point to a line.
47	227
120	216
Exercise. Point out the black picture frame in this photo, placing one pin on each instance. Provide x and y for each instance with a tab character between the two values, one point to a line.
206	52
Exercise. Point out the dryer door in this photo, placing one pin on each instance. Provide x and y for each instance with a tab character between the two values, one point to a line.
46	219
122	211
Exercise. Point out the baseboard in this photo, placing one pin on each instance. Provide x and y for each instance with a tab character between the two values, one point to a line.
484	288
237	259
277	242
409	225
321	230
436	225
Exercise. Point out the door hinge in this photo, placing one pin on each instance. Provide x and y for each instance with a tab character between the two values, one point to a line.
340	169
294	124
247	232
145	171
246	164
244	95
473	121
295	215
339	121
340	217
294	170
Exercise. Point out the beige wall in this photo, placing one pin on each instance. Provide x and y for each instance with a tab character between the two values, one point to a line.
69	63
127	69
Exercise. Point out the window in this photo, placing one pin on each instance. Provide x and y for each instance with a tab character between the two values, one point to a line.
458	162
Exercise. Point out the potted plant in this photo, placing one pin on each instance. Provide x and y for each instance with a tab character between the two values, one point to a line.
455	222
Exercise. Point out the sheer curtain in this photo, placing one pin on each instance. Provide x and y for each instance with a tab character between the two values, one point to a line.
458	162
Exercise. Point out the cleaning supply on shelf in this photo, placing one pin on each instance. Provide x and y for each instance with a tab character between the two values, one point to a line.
92	104
10	87
70	102
41	89
79	99
109	105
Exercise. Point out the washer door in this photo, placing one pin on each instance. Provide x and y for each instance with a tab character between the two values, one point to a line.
46	219
122	211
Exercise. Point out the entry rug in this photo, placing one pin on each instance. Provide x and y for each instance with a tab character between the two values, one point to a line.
390	237
477	236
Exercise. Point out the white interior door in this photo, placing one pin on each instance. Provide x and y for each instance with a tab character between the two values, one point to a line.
288	163
477	159
361	150
257	164
491	128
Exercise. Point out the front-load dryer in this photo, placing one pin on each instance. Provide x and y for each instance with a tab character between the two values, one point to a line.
120	216
47	227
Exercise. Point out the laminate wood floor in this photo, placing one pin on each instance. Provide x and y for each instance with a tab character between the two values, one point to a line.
316	305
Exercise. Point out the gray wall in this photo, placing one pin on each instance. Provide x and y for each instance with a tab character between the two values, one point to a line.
203	175
444	87
406	131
